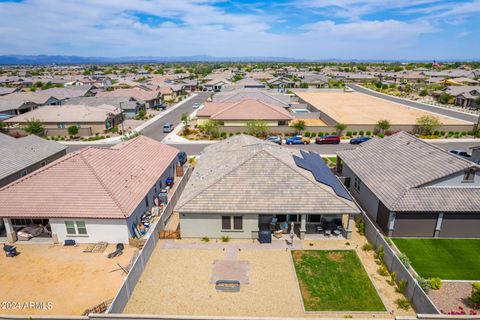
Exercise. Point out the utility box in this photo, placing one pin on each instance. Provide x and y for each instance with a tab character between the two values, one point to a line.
179	170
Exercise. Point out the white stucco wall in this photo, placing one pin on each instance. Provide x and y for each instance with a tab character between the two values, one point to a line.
198	225
110	230
455	180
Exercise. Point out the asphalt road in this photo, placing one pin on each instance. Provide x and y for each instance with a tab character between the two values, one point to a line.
439	110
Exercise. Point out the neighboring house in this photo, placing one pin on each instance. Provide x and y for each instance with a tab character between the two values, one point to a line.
24	155
66	93
281	82
90	120
33	97
475	154
215	85
128	105
95	194
315	80
151	97
241	183
10	108
249	83
466	81
270	97
189	85
411	188
237	114
465	96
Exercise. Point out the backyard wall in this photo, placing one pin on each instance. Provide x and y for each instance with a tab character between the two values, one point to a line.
109	230
419	299
198	225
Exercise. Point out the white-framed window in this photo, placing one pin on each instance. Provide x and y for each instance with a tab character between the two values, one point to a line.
76	227
356	184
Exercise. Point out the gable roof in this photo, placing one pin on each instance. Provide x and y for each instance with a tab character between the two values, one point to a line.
18	154
91	183
273	98
252	110
34	97
68	92
136	92
244	174
397	168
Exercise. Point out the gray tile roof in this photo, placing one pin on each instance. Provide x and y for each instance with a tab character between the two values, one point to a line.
397	168
246	175
18	154
275	98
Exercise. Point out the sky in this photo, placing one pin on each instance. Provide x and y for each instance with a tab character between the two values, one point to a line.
316	29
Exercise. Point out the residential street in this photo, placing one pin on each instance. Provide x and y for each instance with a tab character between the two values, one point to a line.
413	104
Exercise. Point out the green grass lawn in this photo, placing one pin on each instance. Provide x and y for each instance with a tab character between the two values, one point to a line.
449	259
334	281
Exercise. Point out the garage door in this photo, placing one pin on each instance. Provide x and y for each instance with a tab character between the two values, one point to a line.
460	226
415	225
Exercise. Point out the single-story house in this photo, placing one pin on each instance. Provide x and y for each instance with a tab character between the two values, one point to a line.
151	97
24	155
215	85
128	105
243	185
412	188
465	96
267	96
249	83
281	82
69	92
95	194
34	97
7	90
237	114
10	108
90	120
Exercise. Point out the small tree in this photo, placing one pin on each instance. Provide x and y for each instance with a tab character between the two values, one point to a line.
428	124
72	130
383	125
257	128
444	98
34	126
185	120
340	128
298	125
212	128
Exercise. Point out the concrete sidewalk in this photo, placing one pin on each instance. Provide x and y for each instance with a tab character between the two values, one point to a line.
139	129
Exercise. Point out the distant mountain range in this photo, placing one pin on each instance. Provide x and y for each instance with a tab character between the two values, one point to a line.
69	60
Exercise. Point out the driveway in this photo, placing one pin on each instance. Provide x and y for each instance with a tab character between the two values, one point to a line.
413	104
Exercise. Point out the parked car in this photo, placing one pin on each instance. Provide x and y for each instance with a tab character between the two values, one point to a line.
328	140
275	139
159	107
167	127
297	140
196	105
461	153
359	140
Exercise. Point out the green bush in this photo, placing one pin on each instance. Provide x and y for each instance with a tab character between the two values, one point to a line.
349	133
360	224
402	285
368	247
423	283
354	133
379	254
436	132
238	132
313	134
464	133
307	134
402	303
225	238
369	133
389	241
393	278
320	134
404	259
223	134
442	133
435	283
475	297
206	239
361	132
381	135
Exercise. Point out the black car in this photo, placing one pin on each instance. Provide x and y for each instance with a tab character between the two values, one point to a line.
461	153
275	139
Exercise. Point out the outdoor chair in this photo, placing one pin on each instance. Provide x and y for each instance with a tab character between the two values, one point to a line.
10	251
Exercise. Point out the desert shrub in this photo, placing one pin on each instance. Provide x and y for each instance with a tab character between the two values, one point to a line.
320	134
206	239
382	270
389	241
368	247
379	254
464	133
313	134
307	134
360	224
225	238
402	303
361	132
393	278
442	133
354	133
381	135
475	297
436	132
435	283
223	134
402	285
423	283
349	133
369	133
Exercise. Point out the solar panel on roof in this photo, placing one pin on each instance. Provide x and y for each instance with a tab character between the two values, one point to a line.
312	162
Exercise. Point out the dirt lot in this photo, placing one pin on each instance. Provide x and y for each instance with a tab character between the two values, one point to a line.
358	108
63	278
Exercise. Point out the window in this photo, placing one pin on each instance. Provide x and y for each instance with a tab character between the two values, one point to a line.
23	173
61	125
237	222
43	163
356	184
226	223
76	227
469	175
146	201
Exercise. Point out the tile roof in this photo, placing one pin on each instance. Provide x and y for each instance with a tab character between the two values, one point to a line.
65	93
244	174
137	93
250	110
396	169
274	98
68	113
37	98
91	183
18	154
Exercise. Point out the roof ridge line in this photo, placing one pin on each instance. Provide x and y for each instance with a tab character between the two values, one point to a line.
115	200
